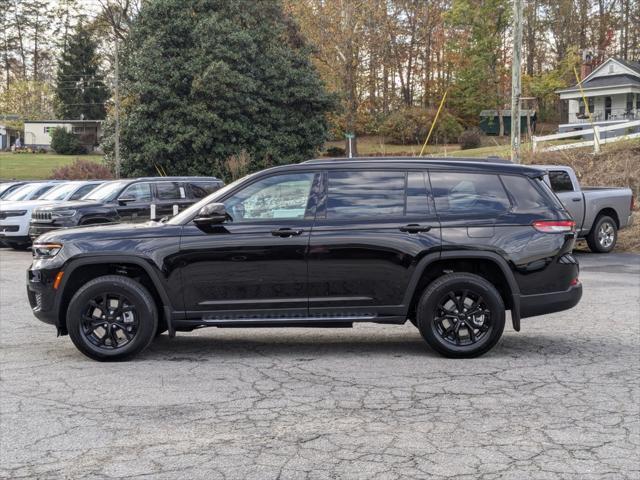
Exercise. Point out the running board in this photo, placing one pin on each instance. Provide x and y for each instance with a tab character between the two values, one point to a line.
313	322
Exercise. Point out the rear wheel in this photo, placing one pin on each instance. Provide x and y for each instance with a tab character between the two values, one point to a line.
112	318
461	315
603	236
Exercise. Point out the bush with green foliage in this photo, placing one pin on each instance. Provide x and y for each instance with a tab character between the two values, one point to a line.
65	142
411	126
335	152
214	79
82	170
470	139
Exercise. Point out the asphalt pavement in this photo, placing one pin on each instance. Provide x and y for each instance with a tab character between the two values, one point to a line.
558	400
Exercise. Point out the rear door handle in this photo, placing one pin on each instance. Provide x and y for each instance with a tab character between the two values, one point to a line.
286	232
576	199
415	228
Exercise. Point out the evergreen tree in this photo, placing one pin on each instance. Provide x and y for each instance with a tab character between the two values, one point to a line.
207	79
80	89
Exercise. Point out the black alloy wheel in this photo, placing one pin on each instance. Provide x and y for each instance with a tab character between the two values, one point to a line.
461	315
112	318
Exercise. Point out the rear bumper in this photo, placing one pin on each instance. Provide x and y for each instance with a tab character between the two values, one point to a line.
541	304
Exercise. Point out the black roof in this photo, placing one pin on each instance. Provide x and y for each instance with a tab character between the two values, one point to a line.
633	65
611	81
480	165
169	179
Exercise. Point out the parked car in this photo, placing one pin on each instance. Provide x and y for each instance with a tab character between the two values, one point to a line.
29	191
447	245
7	187
599	212
16	216
131	200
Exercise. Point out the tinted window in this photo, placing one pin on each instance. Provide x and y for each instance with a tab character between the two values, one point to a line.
469	194
417	200
365	194
140	192
560	181
82	191
281	196
202	189
169	191
524	194
42	191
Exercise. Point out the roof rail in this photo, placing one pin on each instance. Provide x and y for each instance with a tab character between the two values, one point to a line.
489	159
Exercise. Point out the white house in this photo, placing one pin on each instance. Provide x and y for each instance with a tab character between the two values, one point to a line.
37	133
612	91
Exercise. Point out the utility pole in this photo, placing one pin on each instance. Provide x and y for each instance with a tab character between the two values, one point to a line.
515	81
117	101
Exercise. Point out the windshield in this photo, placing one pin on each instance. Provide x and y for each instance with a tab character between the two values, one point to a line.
24	192
106	192
60	192
185	215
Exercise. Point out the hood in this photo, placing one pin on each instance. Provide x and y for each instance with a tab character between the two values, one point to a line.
111	232
24	204
71	205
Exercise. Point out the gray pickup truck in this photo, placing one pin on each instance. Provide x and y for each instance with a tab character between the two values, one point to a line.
599	212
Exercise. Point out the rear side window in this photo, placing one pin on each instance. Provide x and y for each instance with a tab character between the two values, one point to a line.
203	189
469	194
417	200
169	191
560	181
525	195
82	191
365	194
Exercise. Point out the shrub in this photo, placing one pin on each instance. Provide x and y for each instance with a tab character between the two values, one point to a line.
82	170
411	126
238	165
65	143
469	139
336	152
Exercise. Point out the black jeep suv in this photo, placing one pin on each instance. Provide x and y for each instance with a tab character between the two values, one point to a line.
448	245
128	200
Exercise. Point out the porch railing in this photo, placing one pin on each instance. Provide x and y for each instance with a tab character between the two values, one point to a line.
619	114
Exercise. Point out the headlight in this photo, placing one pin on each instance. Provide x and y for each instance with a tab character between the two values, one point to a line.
46	250
62	213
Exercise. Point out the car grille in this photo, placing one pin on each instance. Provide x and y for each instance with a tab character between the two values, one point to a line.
41	216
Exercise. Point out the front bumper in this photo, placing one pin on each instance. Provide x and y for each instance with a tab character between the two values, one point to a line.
42	296
541	304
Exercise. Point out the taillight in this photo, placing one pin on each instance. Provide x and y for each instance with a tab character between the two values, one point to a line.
554	226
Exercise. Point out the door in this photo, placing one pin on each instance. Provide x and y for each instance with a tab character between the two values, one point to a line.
371	228
134	204
572	200
607	108
170	198
254	265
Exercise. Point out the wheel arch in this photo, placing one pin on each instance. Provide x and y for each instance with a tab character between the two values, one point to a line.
489	265
79	271
608	212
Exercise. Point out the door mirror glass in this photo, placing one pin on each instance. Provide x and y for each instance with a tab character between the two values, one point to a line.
211	214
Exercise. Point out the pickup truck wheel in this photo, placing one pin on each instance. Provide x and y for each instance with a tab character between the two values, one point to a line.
461	315
112	318
603	236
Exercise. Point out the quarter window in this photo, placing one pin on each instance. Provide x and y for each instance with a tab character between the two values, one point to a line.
365	194
560	181
525	196
283	197
469	194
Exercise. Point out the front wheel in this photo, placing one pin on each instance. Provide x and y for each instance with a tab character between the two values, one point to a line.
461	315
112	318
603	236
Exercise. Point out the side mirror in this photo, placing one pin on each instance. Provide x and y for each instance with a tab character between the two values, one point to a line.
125	200
211	214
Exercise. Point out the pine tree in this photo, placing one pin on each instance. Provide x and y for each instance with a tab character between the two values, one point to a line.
207	79
80	89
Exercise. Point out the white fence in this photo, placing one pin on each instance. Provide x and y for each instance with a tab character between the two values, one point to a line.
596	131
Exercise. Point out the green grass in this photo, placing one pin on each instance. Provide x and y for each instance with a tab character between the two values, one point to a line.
34	166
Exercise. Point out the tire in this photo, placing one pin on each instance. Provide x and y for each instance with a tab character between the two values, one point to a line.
443	331
132	323
603	236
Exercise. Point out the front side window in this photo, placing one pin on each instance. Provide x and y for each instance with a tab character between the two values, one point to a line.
365	194
560	181
138	192
468	194
281	197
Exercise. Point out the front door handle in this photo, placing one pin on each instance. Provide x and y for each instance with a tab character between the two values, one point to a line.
286	232
415	228
576	199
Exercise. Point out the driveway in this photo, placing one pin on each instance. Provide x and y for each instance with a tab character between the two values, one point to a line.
559	400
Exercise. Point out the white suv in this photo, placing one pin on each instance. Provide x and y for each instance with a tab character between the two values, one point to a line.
16	209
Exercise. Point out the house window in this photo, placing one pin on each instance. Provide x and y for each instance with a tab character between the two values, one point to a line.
630	102
78	129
